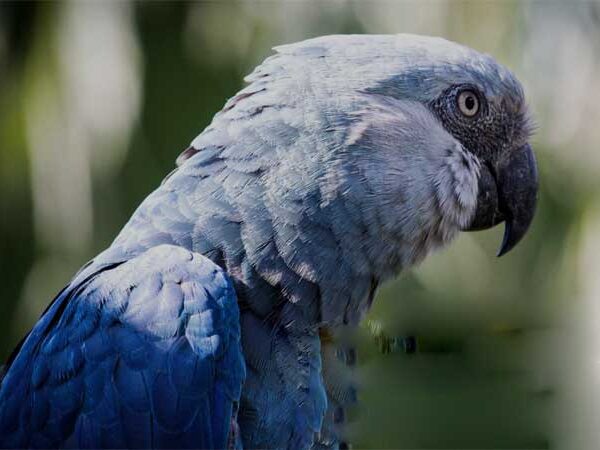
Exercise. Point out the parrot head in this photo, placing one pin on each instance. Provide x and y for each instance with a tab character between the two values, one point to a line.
421	102
481	104
489	117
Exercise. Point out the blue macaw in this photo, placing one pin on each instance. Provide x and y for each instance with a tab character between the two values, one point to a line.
207	323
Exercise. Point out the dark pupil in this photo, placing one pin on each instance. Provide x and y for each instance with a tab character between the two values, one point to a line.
470	103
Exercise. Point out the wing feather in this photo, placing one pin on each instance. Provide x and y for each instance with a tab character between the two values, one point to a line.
141	354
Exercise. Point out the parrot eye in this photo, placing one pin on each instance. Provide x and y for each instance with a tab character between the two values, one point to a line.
468	103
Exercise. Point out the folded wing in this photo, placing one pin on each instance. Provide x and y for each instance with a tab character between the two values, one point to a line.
143	353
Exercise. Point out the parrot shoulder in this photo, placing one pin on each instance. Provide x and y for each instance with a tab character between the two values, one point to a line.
140	353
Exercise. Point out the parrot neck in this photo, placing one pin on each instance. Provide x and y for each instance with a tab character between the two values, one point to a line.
297	274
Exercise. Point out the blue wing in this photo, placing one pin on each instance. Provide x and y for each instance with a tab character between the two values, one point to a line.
139	354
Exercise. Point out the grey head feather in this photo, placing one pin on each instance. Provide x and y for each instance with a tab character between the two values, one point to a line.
406	66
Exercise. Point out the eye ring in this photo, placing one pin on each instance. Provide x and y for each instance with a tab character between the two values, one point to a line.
468	103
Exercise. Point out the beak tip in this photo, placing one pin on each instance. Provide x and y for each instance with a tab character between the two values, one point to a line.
513	233
502	251
506	245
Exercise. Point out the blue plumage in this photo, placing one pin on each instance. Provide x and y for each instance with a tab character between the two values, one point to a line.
344	161
142	353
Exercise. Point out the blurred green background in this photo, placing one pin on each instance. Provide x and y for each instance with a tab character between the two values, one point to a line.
98	99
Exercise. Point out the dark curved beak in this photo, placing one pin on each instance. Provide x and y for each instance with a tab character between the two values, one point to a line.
508	193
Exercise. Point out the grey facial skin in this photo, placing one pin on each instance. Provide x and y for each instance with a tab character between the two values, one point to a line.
508	180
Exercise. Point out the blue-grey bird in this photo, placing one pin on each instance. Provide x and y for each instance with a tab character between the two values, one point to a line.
345	160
